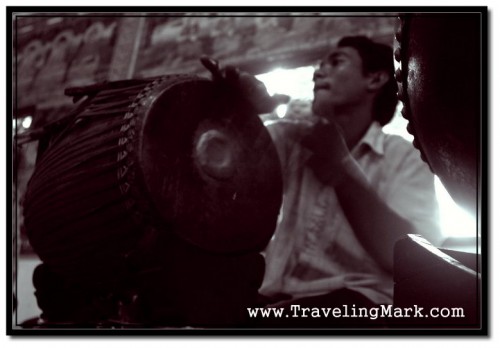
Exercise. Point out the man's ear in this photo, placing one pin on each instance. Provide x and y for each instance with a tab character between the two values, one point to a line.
377	80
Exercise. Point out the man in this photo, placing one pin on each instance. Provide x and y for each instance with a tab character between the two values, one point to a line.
350	191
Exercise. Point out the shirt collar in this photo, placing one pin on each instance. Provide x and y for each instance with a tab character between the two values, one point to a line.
374	138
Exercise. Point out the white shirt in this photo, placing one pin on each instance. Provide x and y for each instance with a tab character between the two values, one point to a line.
314	249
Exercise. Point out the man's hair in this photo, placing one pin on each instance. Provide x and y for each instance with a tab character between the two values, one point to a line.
377	57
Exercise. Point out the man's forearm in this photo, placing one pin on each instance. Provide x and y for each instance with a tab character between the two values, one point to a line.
375	224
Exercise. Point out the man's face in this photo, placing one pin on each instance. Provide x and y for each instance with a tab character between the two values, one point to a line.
339	82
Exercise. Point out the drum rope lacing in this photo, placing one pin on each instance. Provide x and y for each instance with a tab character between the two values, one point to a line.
401	55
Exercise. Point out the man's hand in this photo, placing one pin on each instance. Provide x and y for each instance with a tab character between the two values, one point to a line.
247	86
330	151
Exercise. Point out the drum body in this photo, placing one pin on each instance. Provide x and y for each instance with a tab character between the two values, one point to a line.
440	86
146	162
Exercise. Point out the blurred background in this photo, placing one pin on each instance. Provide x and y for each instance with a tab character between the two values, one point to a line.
54	51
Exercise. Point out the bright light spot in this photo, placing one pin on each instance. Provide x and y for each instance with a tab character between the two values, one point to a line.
14	123
455	221
296	83
398	125
27	122
281	110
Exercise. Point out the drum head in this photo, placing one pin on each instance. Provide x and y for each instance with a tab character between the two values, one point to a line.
210	167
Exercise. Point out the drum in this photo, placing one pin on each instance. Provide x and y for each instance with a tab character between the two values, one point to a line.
440	86
139	159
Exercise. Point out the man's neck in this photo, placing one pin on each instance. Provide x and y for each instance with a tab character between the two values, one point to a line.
354	125
356	135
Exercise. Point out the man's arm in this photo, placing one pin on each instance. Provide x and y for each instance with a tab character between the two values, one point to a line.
375	224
